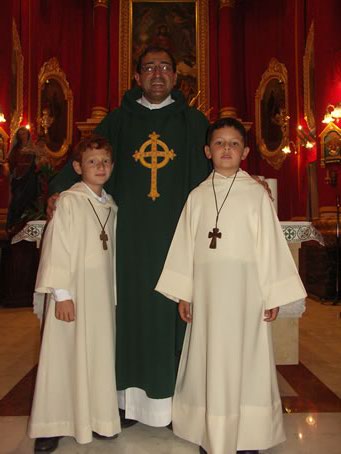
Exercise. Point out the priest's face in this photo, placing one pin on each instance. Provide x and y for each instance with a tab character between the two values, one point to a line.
95	168
226	150
157	77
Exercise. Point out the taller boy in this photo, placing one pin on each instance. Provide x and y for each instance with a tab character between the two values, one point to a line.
230	268
150	193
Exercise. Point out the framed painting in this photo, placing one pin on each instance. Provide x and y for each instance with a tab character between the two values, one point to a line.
178	26
55	109
272	114
330	139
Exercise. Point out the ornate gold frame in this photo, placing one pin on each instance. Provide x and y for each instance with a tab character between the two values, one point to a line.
278	71
17	113
125	46
4	137
52	70
308	81
330	156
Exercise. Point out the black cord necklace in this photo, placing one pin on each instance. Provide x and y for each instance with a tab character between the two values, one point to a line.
103	236
215	231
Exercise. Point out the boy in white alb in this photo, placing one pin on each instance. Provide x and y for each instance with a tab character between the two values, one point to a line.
230	269
75	392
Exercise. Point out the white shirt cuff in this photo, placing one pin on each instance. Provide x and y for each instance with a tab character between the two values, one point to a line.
61	294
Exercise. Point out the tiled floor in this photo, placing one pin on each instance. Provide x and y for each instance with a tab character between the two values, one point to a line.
313	412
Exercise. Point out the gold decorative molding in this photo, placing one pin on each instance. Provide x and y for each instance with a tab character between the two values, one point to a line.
231	112
104	3
229	3
52	71
3	144
99	112
86	127
308	80
18	75
202	55
272	113
228	112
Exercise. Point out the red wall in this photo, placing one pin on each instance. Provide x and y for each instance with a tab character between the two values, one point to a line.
64	30
265	29
279	29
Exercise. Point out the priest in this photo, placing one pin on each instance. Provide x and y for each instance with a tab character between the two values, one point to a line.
158	145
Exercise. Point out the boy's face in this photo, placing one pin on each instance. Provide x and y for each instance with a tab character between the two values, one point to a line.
226	150
95	168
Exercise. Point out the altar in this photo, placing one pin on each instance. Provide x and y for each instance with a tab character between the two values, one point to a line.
285	330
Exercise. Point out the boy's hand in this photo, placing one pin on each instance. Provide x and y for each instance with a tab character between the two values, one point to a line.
271	314
51	205
65	311
185	311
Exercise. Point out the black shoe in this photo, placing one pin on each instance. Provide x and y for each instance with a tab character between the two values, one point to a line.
104	437
202	450
49	444
247	452
125	423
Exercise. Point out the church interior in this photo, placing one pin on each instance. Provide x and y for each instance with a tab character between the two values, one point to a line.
275	66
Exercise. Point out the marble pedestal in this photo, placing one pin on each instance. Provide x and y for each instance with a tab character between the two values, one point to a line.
285	331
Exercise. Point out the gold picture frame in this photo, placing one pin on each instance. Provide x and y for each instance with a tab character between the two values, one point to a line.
17	82
330	139
272	113
55	109
131	44
3	145
309	81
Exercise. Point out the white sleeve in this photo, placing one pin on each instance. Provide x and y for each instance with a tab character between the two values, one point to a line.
61	294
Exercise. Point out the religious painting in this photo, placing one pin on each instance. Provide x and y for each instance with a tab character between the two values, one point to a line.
16	88
55	109
309	81
272	114
178	26
53	116
330	144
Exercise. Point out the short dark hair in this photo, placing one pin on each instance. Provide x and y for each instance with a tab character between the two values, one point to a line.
156	49
90	143
224	123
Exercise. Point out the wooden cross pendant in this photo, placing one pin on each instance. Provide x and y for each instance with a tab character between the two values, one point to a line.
214	235
104	238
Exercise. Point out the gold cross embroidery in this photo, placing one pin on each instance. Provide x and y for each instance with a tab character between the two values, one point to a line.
154	154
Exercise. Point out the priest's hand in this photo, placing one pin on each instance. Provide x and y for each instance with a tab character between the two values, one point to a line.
51	205
271	314
65	311
185	311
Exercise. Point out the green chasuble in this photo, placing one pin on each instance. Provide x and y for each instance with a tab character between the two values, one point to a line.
159	159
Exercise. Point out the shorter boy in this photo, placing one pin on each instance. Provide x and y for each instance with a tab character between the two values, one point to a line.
75	393
230	268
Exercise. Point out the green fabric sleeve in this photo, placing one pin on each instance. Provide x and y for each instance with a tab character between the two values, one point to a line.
64	179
